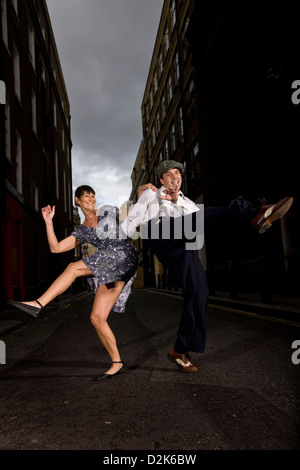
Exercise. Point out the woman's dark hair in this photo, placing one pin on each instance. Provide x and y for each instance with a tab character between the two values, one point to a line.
83	189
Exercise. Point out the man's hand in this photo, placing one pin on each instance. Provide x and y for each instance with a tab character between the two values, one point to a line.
171	193
144	187
48	213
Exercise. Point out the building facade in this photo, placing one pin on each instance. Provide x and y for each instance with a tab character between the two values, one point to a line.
218	99
35	148
169	118
168	106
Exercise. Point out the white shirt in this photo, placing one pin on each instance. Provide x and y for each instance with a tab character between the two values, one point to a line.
150	206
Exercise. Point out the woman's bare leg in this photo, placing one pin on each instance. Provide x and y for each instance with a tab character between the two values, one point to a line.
62	283
105	298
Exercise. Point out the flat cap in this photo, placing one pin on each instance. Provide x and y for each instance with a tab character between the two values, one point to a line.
167	165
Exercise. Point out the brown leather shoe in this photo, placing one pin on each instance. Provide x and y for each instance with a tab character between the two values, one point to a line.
182	361
270	213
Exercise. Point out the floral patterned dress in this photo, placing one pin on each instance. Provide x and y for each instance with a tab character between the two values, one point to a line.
115	258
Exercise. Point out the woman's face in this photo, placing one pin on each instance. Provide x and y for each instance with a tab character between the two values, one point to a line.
86	201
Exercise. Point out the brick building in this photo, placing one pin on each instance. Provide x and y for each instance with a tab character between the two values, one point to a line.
218	99
35	148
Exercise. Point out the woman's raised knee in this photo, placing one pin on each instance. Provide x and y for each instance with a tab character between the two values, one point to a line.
77	268
71	267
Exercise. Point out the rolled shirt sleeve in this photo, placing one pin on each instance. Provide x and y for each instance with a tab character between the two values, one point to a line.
141	212
150	206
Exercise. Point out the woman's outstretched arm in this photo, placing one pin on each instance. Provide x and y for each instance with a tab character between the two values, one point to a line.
55	246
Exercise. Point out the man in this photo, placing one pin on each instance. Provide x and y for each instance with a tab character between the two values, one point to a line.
165	216
167	208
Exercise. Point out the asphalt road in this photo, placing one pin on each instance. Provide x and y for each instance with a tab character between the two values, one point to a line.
245	397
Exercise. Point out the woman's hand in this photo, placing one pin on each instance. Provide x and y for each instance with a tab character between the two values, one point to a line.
48	214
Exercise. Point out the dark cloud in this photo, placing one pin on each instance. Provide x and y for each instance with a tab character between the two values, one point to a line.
105	48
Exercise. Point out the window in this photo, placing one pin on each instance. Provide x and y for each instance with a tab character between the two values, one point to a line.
7	132
19	179
180	122
16	67
41	72
173	14
157	122
65	191
169	89
173	138
160	63
33	111
153	137
151	99
42	26
149	148
68	155
56	175
166	149
147	112
34	196
166	39
184	39
31	44
69	192
15	5
163	107
186	24
55	114
195	150
155	82
4	22
190	100
176	68
190	90
156	182
195	164
184	179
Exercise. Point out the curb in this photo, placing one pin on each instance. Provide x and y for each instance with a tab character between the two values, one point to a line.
278	311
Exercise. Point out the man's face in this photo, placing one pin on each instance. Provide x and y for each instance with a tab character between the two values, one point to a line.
171	178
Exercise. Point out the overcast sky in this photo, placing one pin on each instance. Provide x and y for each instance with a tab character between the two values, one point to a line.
105	48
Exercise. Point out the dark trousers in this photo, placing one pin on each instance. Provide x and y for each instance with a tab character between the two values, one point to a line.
186	268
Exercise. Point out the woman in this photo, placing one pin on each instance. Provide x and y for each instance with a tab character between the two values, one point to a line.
111	270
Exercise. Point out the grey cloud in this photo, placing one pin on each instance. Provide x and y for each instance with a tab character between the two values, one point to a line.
105	47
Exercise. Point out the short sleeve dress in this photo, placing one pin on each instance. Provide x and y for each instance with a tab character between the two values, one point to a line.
115	258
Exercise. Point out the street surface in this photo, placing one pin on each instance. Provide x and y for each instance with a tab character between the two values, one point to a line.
245	397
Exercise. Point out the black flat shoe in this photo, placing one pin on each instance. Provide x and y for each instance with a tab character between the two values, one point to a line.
33	311
110	376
